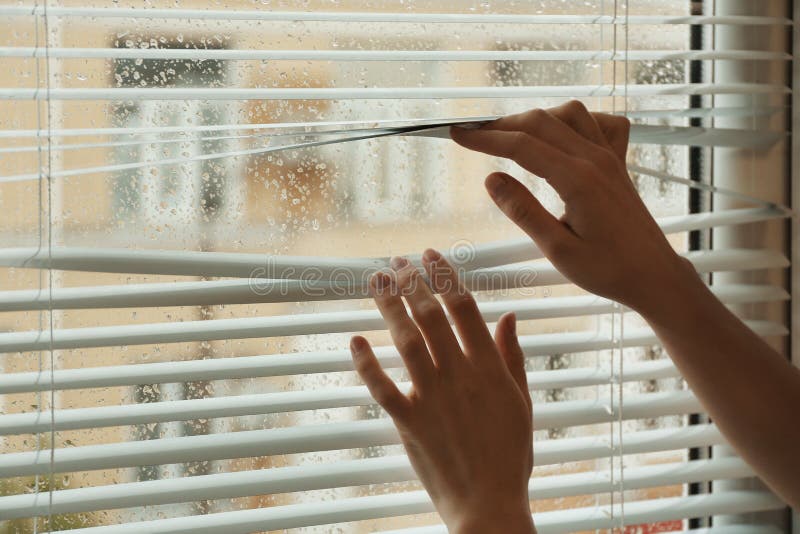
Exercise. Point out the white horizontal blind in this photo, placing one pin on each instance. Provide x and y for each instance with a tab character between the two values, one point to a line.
178	291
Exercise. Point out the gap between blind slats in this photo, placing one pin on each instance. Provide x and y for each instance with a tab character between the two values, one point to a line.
241	328
345	474
639	512
391	55
361	508
390	93
640	133
302	362
418	18
291	401
303	439
732	111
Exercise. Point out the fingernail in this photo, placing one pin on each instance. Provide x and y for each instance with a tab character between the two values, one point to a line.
495	183
357	343
513	319
431	255
379	280
398	262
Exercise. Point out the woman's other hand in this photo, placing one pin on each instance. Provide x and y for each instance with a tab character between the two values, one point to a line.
606	241
466	422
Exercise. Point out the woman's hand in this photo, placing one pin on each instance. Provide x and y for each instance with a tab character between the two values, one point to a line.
606	241
466	422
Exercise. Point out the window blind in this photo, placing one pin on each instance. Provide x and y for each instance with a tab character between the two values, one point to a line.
179	288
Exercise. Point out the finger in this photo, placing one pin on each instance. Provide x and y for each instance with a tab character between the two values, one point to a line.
428	314
543	125
380	386
505	336
616	130
463	309
405	334
575	115
519	205
531	153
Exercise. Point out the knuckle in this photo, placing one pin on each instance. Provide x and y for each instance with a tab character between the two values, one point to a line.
536	119
517	210
575	106
429	310
410	343
463	303
405	279
520	145
623	124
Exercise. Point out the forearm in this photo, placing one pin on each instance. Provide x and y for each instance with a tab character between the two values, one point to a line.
750	391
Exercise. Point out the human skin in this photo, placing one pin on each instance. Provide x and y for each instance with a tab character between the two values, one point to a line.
607	243
466	423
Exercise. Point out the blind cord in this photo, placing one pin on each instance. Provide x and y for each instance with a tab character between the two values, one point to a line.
40	165
49	267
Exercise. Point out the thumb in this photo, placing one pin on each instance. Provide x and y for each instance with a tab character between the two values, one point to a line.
505	337
519	205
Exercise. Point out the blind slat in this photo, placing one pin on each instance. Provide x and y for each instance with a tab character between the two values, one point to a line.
642	512
390	55
756	110
390	93
359	508
345	474
207	330
321	268
306	439
640	134
301	362
230	292
290	401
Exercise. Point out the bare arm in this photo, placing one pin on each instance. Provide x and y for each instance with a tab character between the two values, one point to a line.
607	243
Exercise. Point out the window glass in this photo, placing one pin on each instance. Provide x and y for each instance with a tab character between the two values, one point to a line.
379	197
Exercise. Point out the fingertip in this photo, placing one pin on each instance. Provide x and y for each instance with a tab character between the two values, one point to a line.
456	132
465	136
495	183
398	262
379	282
358	344
431	255
506	326
511	321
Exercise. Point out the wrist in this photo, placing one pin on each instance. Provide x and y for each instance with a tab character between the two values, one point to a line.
669	290
503	525
678	291
495	520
